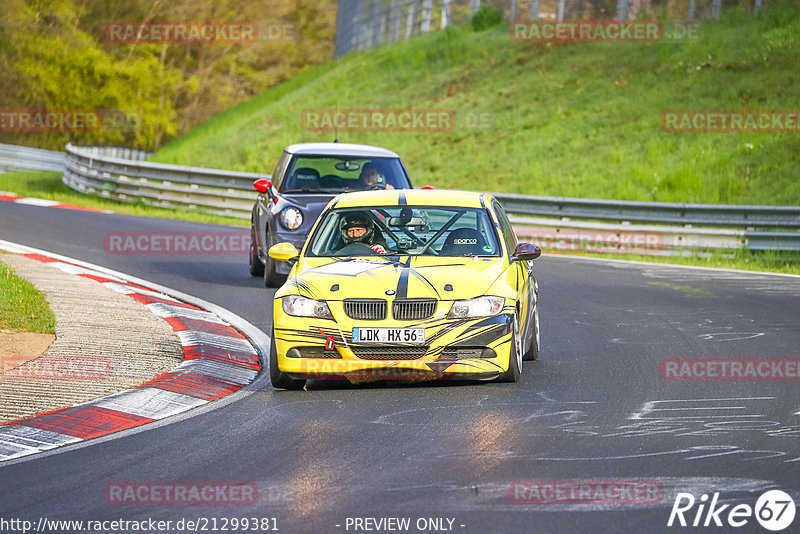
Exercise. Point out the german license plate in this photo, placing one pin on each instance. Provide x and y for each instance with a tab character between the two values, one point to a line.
388	335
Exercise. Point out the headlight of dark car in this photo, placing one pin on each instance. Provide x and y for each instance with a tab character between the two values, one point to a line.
291	218
304	307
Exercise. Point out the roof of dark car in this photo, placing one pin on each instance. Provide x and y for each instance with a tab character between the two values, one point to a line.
340	149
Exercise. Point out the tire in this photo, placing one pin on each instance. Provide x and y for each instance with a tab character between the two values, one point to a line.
256	267
271	276
280	380
515	360
533	351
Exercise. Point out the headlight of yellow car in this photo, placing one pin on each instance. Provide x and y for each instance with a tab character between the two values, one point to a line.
304	307
477	307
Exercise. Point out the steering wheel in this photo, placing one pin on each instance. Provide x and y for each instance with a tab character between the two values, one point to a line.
375	186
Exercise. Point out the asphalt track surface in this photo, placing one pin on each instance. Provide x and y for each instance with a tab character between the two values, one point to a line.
593	407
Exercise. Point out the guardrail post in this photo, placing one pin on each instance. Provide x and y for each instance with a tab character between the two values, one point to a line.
535	10
622	9
716	9
358	23
445	13
411	20
394	34
427	15
474	6
382	28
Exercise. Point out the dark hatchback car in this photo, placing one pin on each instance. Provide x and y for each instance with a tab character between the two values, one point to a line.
306	178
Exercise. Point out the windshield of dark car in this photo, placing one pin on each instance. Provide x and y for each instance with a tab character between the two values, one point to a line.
336	174
409	230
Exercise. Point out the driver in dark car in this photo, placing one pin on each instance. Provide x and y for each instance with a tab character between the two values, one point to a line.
370	178
359	228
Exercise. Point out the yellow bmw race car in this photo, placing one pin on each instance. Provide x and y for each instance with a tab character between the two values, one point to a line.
406	285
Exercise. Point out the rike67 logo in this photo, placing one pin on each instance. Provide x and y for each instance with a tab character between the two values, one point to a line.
774	510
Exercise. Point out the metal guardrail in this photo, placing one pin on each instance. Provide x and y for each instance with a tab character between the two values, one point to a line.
565	223
646	239
111	152
723	226
22	158
718	215
106	172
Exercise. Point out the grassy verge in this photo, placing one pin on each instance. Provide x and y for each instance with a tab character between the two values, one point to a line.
774	262
48	185
23	308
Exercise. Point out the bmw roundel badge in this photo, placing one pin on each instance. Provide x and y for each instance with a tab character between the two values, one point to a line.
390	292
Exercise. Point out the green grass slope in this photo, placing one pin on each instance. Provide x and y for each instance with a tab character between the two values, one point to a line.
23	308
579	120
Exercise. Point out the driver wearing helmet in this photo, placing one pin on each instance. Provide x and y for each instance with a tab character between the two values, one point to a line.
359	228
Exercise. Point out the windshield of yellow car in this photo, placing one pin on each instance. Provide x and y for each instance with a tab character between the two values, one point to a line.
408	230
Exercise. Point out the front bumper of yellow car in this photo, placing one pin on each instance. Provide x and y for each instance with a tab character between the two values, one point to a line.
471	348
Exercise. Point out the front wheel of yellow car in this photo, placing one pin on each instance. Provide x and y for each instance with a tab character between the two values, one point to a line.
280	380
515	356
533	351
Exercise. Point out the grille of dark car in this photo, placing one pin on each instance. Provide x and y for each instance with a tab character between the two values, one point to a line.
413	309
389	353
365	309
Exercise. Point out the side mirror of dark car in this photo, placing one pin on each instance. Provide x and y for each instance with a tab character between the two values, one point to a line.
262	185
284	252
526	252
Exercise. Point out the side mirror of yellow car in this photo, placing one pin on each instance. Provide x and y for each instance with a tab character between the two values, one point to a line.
283	252
526	252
